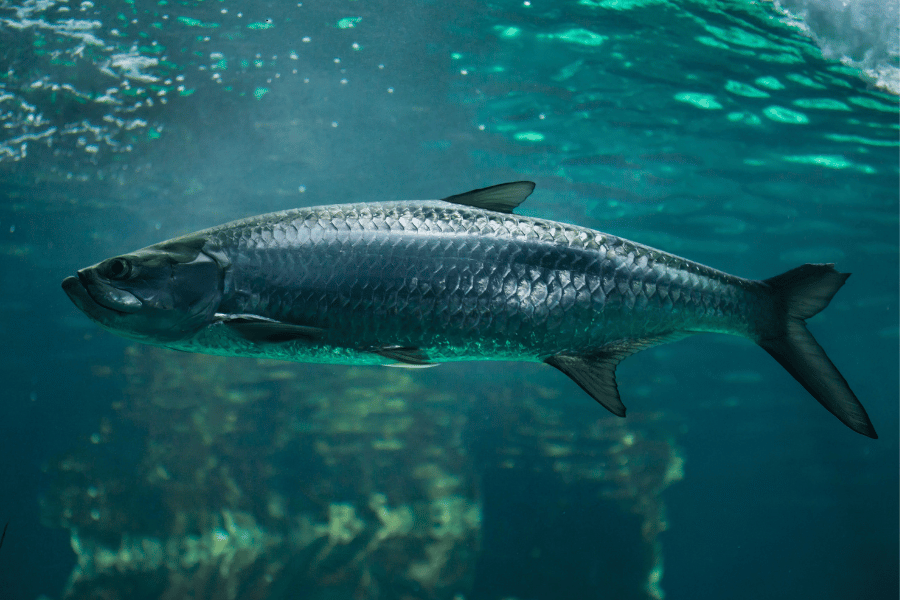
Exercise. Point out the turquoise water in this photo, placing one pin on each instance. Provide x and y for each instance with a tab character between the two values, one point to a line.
726	132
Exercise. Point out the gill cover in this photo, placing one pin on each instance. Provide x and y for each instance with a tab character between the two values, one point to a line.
161	293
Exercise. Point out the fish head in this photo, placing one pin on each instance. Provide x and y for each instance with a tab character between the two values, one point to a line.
159	294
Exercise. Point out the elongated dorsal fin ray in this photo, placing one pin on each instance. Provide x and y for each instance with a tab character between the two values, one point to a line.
502	198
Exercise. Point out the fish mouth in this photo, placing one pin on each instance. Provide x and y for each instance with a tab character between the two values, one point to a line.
91	295
77	294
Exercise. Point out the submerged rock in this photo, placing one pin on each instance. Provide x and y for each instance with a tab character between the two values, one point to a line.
230	478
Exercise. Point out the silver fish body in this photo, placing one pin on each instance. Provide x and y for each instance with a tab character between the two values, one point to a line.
463	283
456	279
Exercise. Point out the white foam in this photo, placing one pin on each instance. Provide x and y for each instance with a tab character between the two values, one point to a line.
863	34
132	65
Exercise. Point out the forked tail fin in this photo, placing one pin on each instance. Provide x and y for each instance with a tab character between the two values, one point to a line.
799	294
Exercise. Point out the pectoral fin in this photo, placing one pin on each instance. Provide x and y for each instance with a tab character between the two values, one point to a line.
258	329
408	356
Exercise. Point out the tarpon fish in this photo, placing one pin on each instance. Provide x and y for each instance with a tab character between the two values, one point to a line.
463	278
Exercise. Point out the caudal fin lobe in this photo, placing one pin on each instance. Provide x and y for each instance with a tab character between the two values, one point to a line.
799	294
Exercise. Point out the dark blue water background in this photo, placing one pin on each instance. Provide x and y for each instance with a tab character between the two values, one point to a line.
711	130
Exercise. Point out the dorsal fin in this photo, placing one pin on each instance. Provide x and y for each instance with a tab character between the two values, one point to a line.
498	198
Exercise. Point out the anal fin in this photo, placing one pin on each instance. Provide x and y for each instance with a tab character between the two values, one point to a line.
596	375
595	372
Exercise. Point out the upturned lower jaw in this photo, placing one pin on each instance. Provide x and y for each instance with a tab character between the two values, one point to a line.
74	290
106	295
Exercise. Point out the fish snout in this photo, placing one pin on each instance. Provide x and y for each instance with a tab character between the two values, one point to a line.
70	284
100	292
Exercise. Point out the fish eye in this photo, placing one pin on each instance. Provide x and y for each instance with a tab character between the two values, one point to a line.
118	268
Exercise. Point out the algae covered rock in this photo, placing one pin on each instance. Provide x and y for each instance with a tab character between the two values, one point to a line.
269	480
219	478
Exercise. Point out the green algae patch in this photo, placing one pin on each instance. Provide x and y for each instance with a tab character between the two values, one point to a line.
508	32
261	25
529	136
739	37
568	71
831	161
712	42
348	22
704	101
820	104
195	23
259	92
580	36
785	115
781	58
742	89
747	118
769	83
870	103
619	4
857	139
804	80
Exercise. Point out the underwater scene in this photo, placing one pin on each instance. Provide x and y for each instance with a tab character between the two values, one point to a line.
750	136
